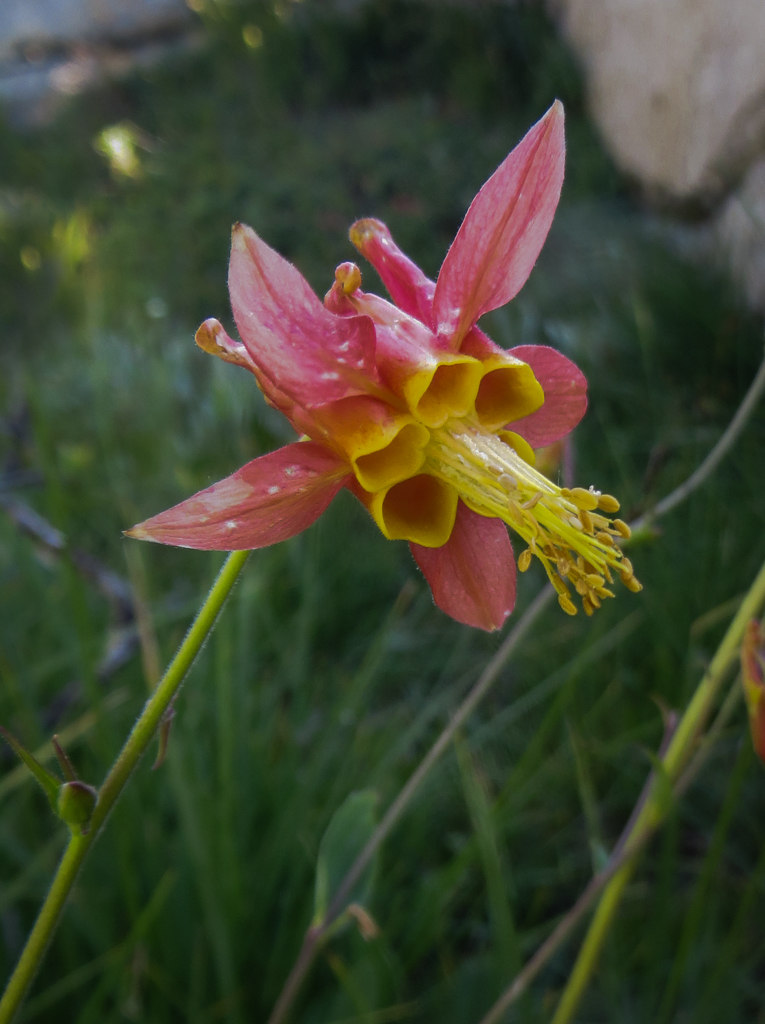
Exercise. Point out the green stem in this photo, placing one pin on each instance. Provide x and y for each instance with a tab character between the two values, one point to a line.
672	763
118	776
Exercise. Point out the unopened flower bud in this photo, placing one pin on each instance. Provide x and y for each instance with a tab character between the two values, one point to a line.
75	804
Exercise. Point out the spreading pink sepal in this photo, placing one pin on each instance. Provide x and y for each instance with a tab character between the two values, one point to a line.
268	500
503	231
407	285
303	350
565	388
472	577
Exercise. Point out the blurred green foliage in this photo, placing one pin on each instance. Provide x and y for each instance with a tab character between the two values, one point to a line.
330	670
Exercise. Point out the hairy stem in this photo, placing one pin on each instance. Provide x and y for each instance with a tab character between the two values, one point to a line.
116	780
678	753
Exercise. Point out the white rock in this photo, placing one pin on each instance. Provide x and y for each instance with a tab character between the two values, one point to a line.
47	22
677	89
676	86
739	235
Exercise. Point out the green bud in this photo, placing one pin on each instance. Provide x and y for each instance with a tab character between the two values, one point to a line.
75	804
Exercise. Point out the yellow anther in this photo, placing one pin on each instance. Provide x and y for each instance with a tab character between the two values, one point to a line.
608	503
621	528
524	560
567	604
528	520
532	501
583	499
586	520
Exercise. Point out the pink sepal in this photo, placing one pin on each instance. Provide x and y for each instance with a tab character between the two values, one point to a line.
268	500
472	577
300	349
503	231
565	388
407	285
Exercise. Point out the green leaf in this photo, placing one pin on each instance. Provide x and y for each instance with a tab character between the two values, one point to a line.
47	780
348	832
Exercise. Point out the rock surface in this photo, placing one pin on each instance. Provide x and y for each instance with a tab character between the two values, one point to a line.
69	21
738	234
677	89
676	86
50	49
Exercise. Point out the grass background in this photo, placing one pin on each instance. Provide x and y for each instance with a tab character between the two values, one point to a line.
330	670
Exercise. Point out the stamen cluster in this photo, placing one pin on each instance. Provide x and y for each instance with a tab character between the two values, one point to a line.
567	529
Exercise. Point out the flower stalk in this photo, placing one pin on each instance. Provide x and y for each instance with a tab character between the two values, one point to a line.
651	814
139	739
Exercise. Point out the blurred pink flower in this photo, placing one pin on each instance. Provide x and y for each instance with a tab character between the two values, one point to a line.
414	409
753	680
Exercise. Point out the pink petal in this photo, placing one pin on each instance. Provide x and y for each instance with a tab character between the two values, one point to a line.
503	231
407	285
472	577
565	388
303	350
266	501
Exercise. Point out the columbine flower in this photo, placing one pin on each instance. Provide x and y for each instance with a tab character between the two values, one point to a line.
410	406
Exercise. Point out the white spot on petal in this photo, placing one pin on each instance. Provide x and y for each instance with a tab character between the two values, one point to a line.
292	470
273	489
330	375
230	524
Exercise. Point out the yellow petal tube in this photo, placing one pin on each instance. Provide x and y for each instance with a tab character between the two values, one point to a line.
421	510
382	445
519	445
443	387
508	390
